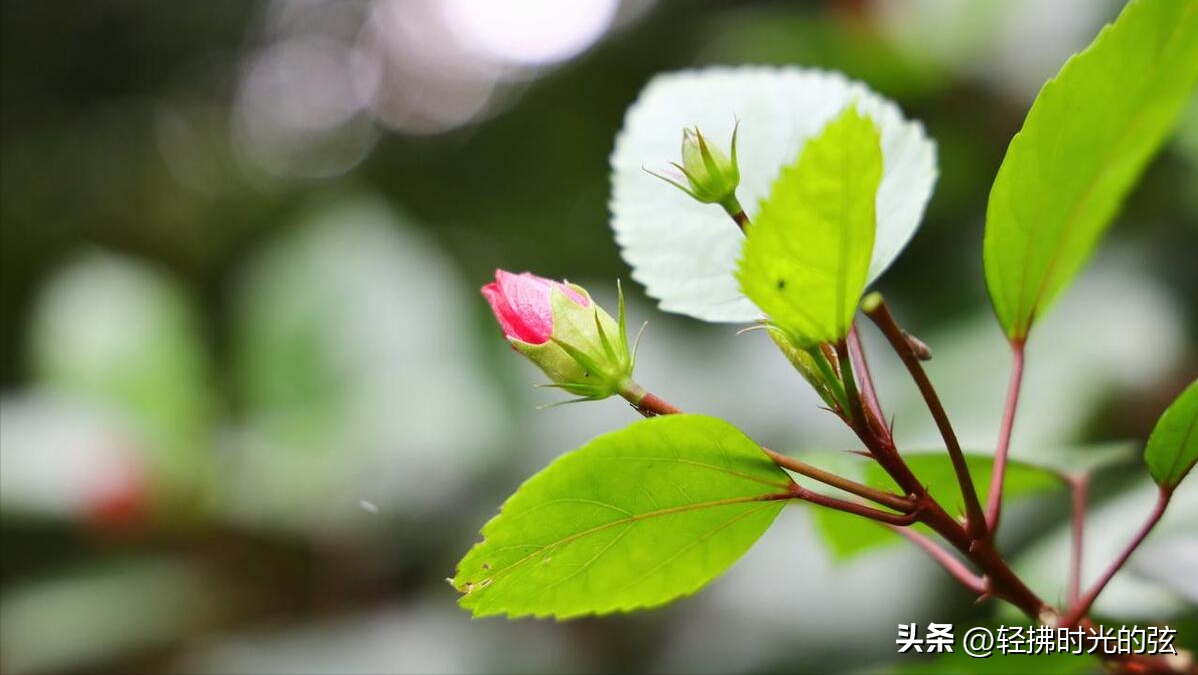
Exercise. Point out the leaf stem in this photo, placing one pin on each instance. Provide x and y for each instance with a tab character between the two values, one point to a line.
869	395
856	411
734	210
1078	484
948	561
903	504
893	519
651	405
998	472
1082	606
998	579
880	314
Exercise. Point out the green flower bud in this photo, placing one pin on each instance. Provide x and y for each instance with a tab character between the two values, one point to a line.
711	176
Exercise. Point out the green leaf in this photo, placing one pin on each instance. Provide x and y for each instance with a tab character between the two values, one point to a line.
1087	138
685	253
848	536
634	518
1173	446
807	254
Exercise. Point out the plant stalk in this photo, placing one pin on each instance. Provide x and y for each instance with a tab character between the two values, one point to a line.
880	314
1078	485
1080	608
651	405
947	560
998	472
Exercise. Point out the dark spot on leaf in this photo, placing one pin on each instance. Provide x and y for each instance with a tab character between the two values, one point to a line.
486	566
781	284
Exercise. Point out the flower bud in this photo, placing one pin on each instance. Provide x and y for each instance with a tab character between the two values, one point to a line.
804	362
711	176
560	329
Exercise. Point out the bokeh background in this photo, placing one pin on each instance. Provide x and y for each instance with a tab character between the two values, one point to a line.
254	409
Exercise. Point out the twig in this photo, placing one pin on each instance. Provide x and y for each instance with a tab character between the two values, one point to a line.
869	395
998	472
1082	606
947	560
875	308
894	519
651	405
896	502
1078	485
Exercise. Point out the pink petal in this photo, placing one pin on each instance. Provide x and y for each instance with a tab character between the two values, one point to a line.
521	304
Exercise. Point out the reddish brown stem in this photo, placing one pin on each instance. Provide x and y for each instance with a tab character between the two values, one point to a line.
651	405
1082	606
999	580
741	220
894	519
869	395
948	561
880	314
994	500
896	502
1078	485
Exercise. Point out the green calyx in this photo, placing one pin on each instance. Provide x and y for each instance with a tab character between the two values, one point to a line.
589	354
711	175
813	366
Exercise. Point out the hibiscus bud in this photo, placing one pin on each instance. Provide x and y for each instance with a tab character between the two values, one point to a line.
711	176
804	362
560	329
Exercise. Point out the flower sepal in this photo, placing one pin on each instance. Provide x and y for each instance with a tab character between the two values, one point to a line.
578	345
588	353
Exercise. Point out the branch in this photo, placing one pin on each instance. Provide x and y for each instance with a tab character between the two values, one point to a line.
1078	484
903	504
947	560
893	519
994	500
869	396
651	405
880	315
1082	606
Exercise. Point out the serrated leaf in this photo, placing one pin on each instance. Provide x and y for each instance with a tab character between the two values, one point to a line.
807	254
1172	448
848	536
635	518
684	252
1087	138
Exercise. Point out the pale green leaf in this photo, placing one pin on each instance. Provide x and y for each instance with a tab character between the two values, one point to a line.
1087	138
634	518
684	252
806	257
1173	446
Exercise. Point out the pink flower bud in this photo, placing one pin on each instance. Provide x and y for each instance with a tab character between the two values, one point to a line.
521	303
580	347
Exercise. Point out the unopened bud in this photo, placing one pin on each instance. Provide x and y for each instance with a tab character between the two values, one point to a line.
560	329
710	175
